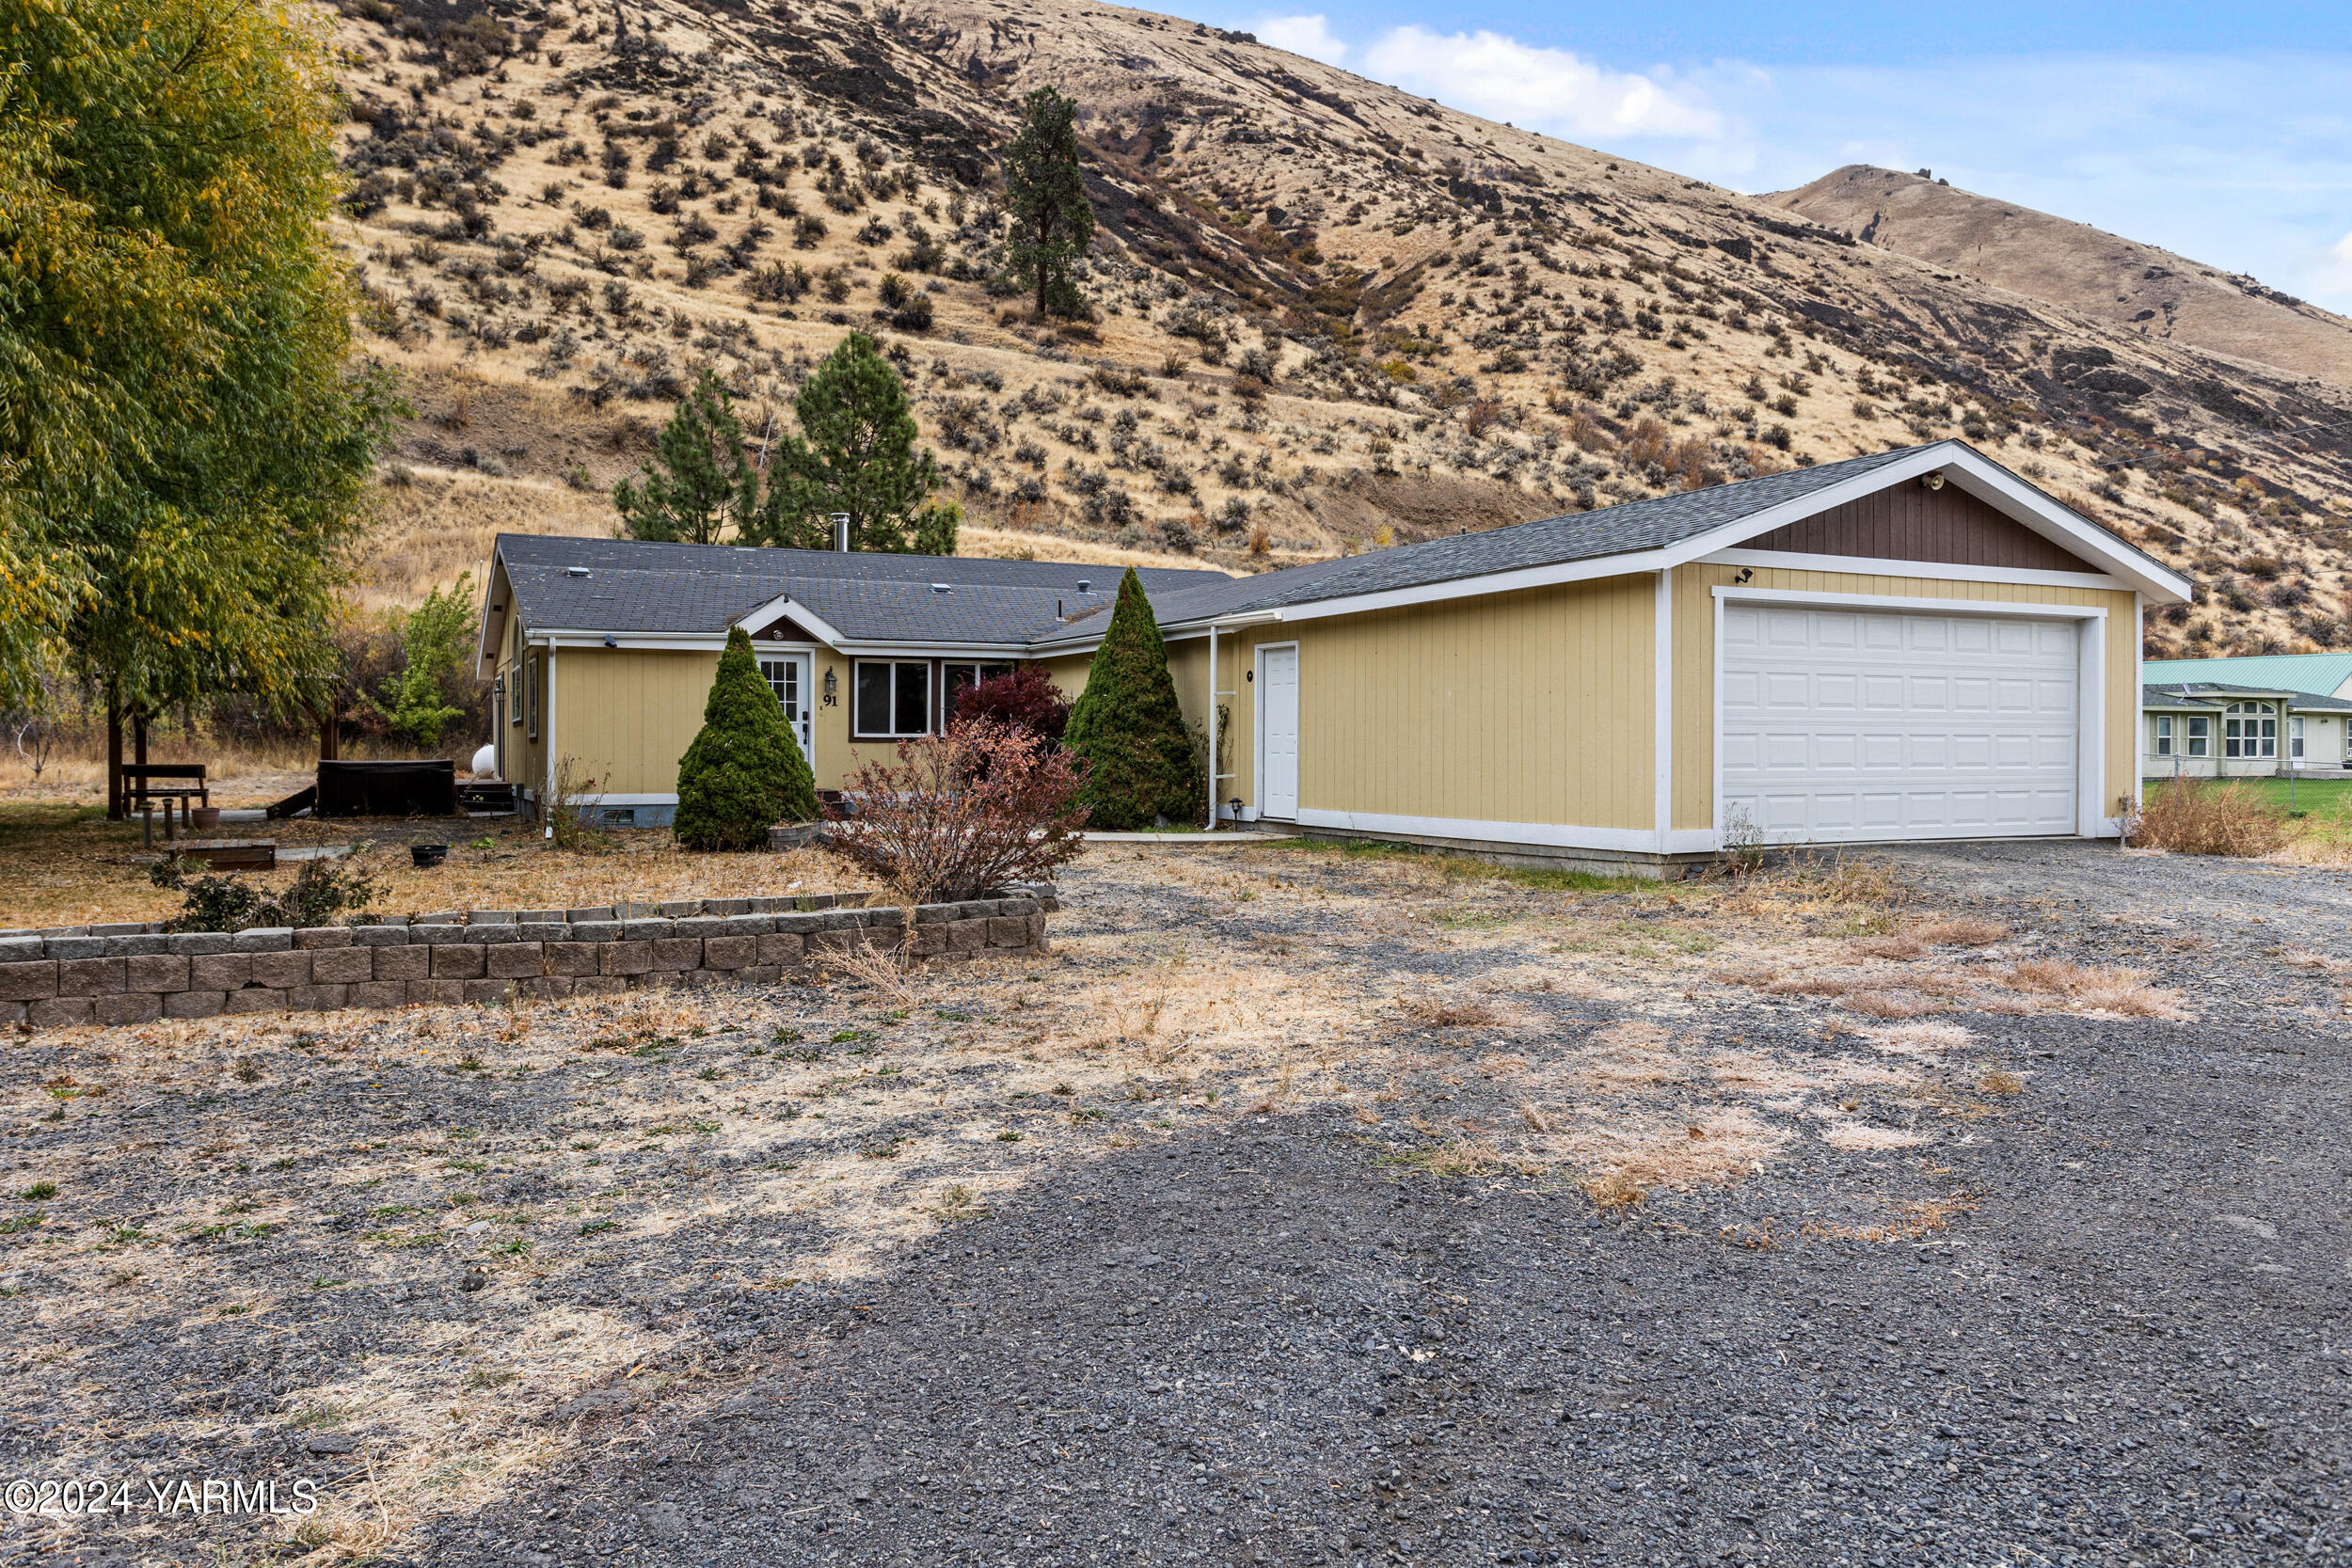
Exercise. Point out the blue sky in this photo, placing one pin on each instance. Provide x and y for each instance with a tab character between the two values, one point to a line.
2224	134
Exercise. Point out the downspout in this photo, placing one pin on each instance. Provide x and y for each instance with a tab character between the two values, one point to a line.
1211	822
546	736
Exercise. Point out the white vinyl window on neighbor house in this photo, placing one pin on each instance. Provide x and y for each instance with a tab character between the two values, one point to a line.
2164	735
2295	738
2199	736
893	697
2249	730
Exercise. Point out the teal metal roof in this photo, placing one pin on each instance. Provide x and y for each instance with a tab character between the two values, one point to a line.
2321	675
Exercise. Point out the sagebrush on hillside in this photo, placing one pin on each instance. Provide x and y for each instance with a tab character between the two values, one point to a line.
1326	315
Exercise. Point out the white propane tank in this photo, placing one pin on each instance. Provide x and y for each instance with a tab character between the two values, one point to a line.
486	763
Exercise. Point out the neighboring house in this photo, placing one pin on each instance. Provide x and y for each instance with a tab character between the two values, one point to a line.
602	651
2206	730
1915	644
2316	674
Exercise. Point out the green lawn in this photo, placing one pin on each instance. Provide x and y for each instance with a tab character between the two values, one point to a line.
2324	805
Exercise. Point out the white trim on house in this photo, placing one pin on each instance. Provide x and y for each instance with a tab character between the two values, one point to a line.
1935	606
1941	571
625	799
1641	841
2089	673
980	653
1663	712
1975	474
778	605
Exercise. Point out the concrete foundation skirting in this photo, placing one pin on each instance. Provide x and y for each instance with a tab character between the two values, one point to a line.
1537	857
133	973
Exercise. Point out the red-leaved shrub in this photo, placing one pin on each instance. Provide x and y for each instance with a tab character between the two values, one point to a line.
957	815
1024	698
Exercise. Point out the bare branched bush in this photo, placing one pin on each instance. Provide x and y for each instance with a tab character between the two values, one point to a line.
2196	816
569	818
958	814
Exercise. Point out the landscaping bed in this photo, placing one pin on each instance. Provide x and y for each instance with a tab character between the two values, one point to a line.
70	866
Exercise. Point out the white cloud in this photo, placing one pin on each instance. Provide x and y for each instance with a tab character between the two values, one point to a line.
2335	271
1549	90
1310	35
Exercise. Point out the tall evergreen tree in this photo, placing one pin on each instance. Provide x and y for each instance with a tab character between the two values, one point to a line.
700	481
1046	193
1129	726
744	772
183	448
856	455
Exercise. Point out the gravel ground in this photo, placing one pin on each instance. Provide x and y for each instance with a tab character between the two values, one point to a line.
1389	1216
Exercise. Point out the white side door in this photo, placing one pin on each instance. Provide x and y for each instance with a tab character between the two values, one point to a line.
1859	725
1278	732
788	676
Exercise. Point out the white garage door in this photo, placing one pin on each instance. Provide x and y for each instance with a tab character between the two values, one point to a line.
1852	726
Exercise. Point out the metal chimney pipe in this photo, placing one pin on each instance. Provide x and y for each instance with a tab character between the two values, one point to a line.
841	533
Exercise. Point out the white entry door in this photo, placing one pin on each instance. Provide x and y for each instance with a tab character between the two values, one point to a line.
1278	732
788	676
1853	725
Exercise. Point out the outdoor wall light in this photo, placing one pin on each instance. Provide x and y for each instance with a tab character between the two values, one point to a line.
831	684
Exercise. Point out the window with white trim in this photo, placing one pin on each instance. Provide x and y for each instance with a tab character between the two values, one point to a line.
2249	730
2164	735
2200	736
531	694
2294	737
955	678
893	698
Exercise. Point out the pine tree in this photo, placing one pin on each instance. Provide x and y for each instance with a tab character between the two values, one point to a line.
1129	727
700	480
744	772
1046	193
856	455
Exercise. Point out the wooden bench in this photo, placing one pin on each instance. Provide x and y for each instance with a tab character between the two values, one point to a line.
146	783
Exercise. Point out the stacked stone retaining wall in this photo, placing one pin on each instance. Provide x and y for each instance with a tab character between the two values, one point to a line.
137	974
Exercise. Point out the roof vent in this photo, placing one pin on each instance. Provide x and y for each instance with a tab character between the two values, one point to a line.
1085	587
575	571
943	588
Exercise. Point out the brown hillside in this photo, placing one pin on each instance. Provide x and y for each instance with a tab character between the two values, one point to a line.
2138	288
1329	315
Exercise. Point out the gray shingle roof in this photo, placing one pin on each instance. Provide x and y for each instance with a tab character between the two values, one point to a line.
1643	525
2214	695
639	587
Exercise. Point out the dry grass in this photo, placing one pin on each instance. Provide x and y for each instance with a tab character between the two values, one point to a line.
70	869
1961	931
2122	991
2196	816
1860	1137
1914	1221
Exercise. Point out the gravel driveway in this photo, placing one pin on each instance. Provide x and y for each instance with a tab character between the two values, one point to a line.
2091	1313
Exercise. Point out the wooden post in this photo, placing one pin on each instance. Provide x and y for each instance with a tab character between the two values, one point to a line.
330	731
116	810
138	754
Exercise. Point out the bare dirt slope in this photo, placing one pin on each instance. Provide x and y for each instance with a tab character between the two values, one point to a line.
2135	287
1328	315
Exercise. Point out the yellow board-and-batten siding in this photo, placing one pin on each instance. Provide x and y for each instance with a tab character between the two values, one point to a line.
1536	706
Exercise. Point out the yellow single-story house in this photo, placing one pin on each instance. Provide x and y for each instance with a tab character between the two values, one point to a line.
601	651
1913	644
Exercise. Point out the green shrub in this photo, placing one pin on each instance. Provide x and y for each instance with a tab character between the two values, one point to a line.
744	771
320	891
1128	726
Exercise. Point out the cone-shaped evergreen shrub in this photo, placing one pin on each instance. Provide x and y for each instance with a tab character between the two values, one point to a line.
1127	725
744	771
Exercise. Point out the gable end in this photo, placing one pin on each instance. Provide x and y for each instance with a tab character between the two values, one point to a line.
1910	522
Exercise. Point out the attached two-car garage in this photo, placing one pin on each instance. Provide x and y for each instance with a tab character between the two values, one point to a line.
1843	726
